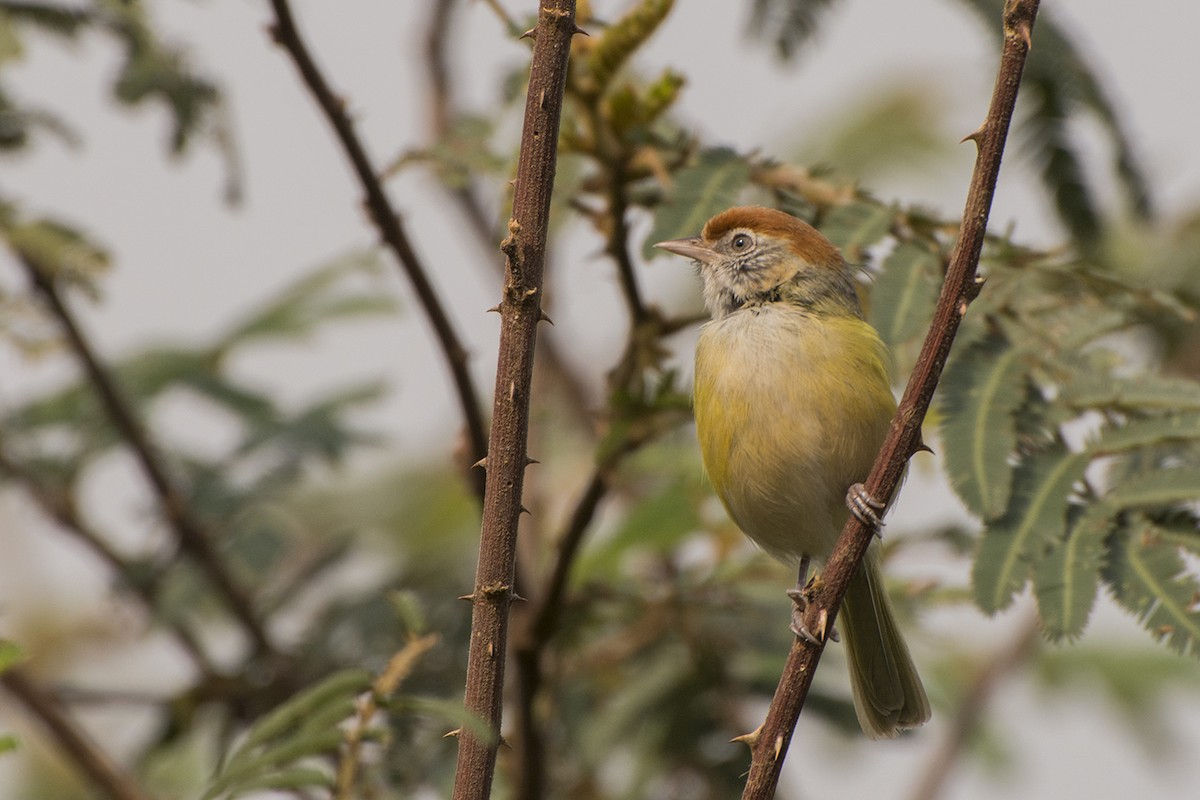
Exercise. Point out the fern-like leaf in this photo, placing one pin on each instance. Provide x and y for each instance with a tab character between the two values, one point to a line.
1145	393
1065	580
857	226
1034	523
904	294
1058	87
1148	432
788	24
1149	578
272	752
981	391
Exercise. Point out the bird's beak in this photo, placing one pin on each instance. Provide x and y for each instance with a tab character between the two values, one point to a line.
689	248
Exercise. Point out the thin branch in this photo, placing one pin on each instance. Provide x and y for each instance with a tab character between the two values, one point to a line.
192	536
105	775
904	437
618	241
60	507
520	313
390	229
966	718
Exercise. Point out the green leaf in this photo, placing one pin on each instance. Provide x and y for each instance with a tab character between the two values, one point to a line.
11	654
252	767
1034	522
904	295
1156	488
1066	579
58	250
451	711
319	431
1059	89
788	24
461	154
657	522
289	778
290	715
700	191
1145	393
981	391
1149	578
319	297
857	226
8	743
1148	432
56	19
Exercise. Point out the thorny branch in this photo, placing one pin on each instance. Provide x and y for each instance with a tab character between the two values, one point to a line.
904	437
520	313
391	231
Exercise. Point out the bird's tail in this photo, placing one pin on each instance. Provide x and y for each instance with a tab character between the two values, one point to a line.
888	695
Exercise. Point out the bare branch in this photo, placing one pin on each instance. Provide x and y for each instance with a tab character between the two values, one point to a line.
520	312
79	747
391	231
904	437
192	536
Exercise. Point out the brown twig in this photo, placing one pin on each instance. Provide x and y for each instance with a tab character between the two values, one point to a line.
520	313
105	775
618	242
391	231
192	536
904	437
966	717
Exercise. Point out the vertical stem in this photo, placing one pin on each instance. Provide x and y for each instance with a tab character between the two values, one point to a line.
520	312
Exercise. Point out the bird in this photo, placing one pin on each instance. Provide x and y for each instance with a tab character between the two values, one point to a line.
792	400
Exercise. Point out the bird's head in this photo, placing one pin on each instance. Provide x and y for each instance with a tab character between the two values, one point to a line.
752	255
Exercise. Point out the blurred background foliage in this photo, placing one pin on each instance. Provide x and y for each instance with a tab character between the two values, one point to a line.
1068	424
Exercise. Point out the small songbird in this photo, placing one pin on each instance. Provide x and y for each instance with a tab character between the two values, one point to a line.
793	400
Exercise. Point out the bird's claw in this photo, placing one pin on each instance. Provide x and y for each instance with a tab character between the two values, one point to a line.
865	508
799	606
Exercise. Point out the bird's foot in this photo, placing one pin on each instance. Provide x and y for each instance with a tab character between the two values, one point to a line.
800	598
865	508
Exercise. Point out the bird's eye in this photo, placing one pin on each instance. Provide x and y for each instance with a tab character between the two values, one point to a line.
741	241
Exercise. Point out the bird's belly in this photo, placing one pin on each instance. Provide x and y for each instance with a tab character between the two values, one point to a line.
788	419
